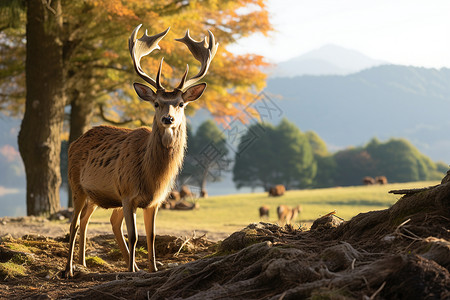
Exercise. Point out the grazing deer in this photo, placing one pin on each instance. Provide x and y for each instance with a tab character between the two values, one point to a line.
264	212
277	190
287	214
381	180
125	169
368	180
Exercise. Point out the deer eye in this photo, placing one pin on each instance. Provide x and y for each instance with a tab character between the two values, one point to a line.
156	104
181	104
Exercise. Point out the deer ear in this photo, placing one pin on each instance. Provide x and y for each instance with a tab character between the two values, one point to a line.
144	92
194	92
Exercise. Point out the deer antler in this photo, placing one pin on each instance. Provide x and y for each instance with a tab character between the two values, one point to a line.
203	51
144	46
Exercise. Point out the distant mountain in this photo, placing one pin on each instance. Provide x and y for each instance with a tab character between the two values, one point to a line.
384	101
327	60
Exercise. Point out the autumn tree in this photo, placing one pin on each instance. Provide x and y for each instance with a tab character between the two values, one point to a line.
97	70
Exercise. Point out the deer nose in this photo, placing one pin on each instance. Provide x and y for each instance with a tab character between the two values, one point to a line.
167	120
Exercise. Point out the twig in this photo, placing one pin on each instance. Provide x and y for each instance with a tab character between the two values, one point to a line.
411	235
48	4
182	245
398	227
377	291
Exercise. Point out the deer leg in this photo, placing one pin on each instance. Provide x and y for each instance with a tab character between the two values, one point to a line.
129	213
79	201
149	221
117	227
86	214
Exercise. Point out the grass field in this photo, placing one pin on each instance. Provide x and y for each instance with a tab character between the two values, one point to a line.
230	213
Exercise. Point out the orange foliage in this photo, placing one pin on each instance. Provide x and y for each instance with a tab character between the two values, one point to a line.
104	26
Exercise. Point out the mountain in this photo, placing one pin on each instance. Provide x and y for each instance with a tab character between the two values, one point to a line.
384	101
327	60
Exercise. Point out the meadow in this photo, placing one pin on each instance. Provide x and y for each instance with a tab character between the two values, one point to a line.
227	214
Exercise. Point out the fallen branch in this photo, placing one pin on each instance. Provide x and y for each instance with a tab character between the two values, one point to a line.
412	191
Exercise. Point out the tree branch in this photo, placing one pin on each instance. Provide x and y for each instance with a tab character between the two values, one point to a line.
117	123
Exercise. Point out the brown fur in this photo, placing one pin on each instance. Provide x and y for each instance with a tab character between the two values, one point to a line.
185	192
116	167
109	163
381	180
264	211
277	190
174	195
368	180
287	214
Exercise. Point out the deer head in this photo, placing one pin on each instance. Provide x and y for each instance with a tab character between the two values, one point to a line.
169	105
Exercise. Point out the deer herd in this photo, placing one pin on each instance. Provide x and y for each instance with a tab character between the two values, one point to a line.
126	169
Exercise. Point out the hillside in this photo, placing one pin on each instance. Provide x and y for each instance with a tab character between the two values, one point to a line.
385	101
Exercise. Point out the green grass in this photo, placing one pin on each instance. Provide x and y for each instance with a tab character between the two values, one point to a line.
233	212
11	270
95	261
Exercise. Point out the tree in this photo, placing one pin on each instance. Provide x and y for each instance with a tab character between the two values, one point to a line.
12	51
206	157
254	160
397	159
318	146
352	165
326	165
278	155
400	161
297	166
41	128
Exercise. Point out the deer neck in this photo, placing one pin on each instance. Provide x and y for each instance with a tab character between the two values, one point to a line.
164	158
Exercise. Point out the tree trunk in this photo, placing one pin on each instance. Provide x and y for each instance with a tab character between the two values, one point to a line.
80	118
204	178
40	133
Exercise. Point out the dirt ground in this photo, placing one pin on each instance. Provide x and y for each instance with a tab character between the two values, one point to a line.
44	259
399	253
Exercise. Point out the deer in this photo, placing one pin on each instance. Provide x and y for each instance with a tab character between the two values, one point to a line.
126	169
287	214
264	212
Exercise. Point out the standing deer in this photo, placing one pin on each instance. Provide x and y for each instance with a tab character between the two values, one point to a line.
127	169
287	214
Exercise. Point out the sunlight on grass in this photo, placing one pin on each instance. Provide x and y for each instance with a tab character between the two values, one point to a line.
233	212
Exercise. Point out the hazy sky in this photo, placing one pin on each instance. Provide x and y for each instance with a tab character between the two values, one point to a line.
407	32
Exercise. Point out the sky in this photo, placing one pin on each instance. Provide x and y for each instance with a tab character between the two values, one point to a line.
412	32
